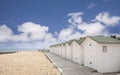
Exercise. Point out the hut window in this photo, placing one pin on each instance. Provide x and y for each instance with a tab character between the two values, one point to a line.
90	62
76	58
104	48
90	44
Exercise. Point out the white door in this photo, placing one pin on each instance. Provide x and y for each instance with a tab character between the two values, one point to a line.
92	56
77	54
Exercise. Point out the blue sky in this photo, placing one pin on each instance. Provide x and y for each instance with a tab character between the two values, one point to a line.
62	20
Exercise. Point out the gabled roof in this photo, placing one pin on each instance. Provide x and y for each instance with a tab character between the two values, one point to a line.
80	40
77	41
62	43
69	42
56	45
51	46
105	39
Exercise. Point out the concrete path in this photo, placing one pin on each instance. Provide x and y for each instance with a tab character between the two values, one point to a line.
70	68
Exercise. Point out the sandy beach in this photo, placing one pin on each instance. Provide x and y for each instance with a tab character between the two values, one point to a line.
26	63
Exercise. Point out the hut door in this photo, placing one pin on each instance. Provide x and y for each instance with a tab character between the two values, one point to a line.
93	58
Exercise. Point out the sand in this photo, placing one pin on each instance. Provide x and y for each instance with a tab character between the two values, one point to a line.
26	63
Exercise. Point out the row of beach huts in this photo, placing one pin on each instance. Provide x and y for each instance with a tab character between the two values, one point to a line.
101	53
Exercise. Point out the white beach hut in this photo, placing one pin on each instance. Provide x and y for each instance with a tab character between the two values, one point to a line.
56	50
51	48
63	51
77	50
59	50
102	53
68	50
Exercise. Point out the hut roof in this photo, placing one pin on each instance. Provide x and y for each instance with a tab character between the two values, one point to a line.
69	42
80	40
105	39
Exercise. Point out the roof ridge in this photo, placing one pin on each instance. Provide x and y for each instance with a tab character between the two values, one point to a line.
105	39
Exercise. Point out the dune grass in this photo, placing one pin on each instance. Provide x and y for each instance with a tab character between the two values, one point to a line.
26	63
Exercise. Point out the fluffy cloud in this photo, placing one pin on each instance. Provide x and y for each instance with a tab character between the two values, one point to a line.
5	33
77	25
49	38
21	37
30	33
68	34
91	5
107	19
98	26
35	31
92	28
65	32
95	28
75	18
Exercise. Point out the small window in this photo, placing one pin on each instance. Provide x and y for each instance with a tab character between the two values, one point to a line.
76	58
90	44
104	48
90	62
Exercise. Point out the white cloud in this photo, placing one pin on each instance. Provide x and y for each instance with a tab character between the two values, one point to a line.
91	5
65	33
92	28
95	28
75	18
107	19
23	37
31	35
49	38
5	33
68	34
75	35
35	31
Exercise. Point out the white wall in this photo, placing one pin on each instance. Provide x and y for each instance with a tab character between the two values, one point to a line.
77	52
60	50
54	49
50	49
109	61
68	51
63	50
90	56
57	50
